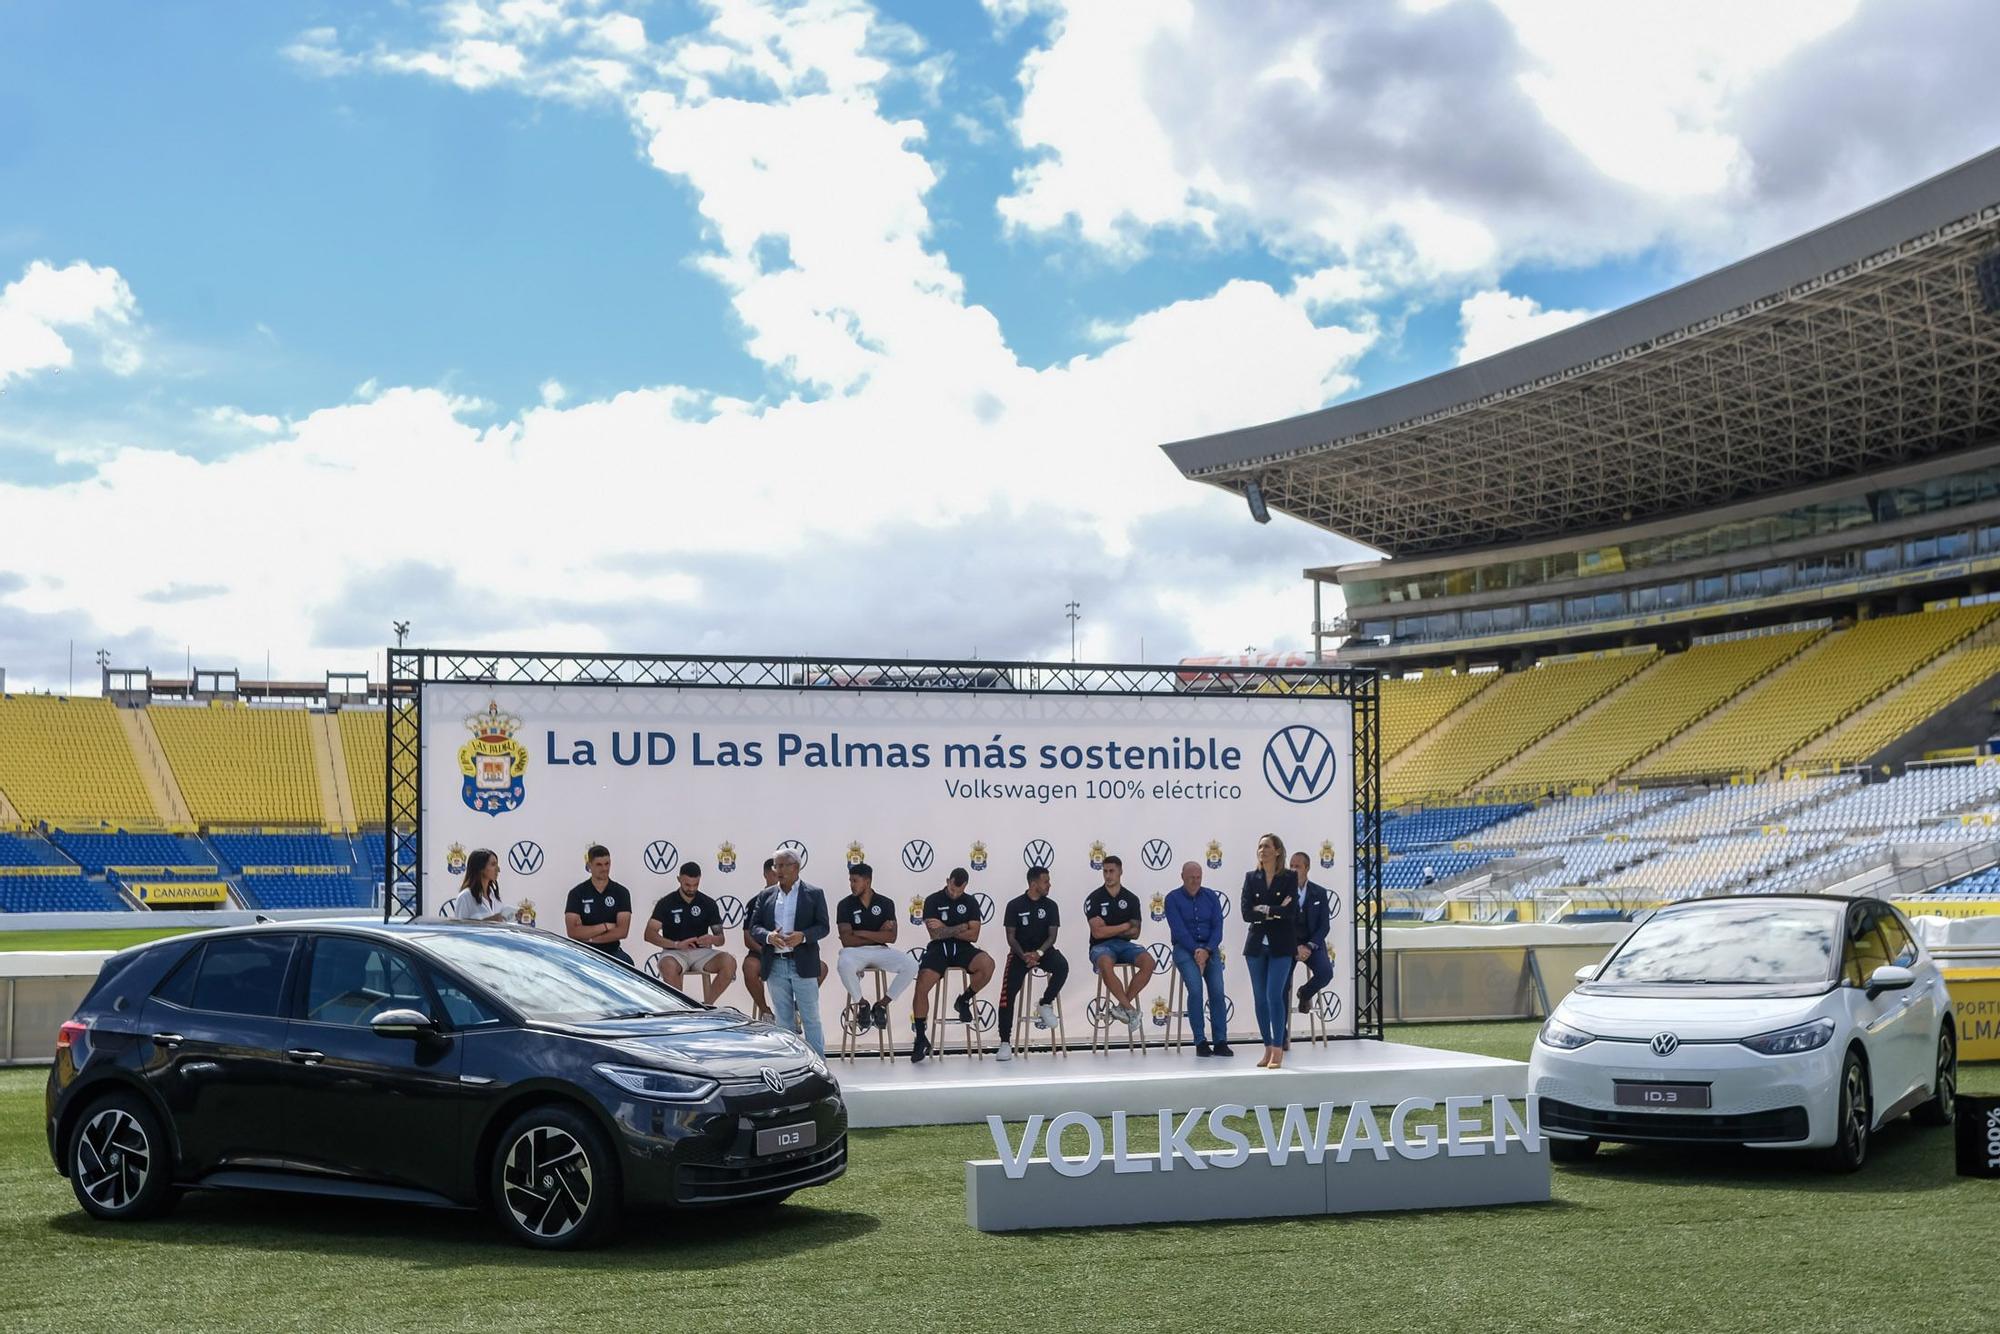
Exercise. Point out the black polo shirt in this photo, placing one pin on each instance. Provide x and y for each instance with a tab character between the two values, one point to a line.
599	909
942	907
682	919
1120	909
878	915
1032	920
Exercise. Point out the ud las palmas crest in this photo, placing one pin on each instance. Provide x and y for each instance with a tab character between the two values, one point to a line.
493	762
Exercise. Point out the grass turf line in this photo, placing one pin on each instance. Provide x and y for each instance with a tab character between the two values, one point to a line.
108	938
1710	1241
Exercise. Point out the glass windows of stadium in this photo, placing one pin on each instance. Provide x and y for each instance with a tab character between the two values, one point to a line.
1805	521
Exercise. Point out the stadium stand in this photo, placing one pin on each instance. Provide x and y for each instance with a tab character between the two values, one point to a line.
1904	707
27	849
364	740
1501	721
1648	710
57	893
1423	868
1411	708
1711	865
304	891
1812	693
1743	806
238	851
1980	884
97	852
1441	824
66	760
1587	863
1573	817
239	764
1919	794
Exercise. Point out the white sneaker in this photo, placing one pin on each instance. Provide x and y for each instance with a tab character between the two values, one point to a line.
1005	1053
1126	1013
1045	1015
1132	1017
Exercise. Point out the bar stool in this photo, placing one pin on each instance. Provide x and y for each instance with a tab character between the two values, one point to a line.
850	1036
943	1012
1100	1015
1325	1006
1024	1019
1176	1010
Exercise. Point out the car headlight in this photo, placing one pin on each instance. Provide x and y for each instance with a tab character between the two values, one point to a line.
1562	1037
817	1063
662	1085
1787	1041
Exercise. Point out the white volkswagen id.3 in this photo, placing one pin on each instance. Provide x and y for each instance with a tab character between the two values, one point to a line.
1774	1021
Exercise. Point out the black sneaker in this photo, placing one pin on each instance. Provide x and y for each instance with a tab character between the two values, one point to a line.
964	1007
1203	1049
880	1014
1305	1005
861	1016
1224	1049
920	1047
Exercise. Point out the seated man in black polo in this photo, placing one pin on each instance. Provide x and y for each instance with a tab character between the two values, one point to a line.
1111	916
1031	921
687	929
951	917
599	911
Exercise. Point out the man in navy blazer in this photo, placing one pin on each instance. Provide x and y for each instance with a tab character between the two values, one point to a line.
790	921
1315	922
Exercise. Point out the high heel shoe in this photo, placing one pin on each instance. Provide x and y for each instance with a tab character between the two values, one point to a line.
1266	1060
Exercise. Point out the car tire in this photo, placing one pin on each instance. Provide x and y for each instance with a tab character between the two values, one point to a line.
121	1166
554	1180
1943	1104
1572	1150
1853	1112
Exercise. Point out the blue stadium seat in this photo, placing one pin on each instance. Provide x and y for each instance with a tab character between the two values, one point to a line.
1442	824
29	850
56	893
1407	872
240	850
96	851
305	891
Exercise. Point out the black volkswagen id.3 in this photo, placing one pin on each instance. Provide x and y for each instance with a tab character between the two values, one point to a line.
431	1063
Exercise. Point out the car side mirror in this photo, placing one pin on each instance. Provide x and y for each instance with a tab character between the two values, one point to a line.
1889	978
403	1024
1587	973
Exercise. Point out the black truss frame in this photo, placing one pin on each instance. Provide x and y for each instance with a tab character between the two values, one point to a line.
411	669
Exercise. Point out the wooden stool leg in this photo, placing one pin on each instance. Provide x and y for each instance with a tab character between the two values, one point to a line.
883	1048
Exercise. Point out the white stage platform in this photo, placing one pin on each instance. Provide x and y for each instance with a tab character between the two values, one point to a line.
959	1090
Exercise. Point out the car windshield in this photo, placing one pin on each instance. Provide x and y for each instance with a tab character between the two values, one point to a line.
551	981
1745	943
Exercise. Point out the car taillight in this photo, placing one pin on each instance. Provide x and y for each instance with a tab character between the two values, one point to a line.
69	1033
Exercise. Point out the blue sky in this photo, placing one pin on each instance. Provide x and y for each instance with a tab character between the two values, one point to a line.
906	294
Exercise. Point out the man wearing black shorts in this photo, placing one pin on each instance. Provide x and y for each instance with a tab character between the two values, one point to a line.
951	917
599	911
1031	921
687	929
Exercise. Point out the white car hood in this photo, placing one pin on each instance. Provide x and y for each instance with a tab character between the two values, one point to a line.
1692	1017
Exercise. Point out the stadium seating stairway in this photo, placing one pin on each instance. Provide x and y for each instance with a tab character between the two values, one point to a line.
1904	707
1411	708
66	760
243	765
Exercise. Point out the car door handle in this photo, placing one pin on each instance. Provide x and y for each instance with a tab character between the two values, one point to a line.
168	1040
305	1056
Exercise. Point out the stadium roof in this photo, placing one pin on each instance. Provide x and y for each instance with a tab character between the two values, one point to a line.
1853	347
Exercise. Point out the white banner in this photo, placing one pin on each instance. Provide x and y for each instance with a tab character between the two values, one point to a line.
913	782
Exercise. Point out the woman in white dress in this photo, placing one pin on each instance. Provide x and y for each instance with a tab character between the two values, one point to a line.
478	898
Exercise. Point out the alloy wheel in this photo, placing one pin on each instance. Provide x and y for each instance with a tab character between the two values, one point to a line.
1947	1076
1856	1090
547	1181
113	1158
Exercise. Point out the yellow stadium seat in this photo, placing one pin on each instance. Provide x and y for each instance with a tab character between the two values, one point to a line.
1648	711
67	760
364	739
1412	708
1502	720
1904	707
1811	694
242	765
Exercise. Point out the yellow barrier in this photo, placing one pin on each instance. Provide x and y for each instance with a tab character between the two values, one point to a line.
182	891
209	869
1975	1006
297	870
61	869
1944	905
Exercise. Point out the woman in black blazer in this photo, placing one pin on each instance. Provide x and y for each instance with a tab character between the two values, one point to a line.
1270	905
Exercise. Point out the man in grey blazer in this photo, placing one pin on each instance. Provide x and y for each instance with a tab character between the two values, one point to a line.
791	919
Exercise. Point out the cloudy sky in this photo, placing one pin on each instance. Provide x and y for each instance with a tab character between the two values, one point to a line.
743	326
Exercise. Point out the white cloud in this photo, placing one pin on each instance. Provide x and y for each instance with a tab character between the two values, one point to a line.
236	419
553	393
80	298
1493	321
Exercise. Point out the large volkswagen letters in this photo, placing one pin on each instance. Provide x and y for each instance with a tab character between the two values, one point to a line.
915	783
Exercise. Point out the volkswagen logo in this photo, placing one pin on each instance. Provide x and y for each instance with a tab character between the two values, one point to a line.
662	857
1299	763
1156	853
984	1016
1665	1044
731	909
985	907
1225	904
916	952
797	849
1038	852
1327	1005
772	1079
525	857
917	855
1163	955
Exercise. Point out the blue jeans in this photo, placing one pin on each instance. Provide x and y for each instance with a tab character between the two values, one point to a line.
1319	972
795	1000
1270	978
1193	978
